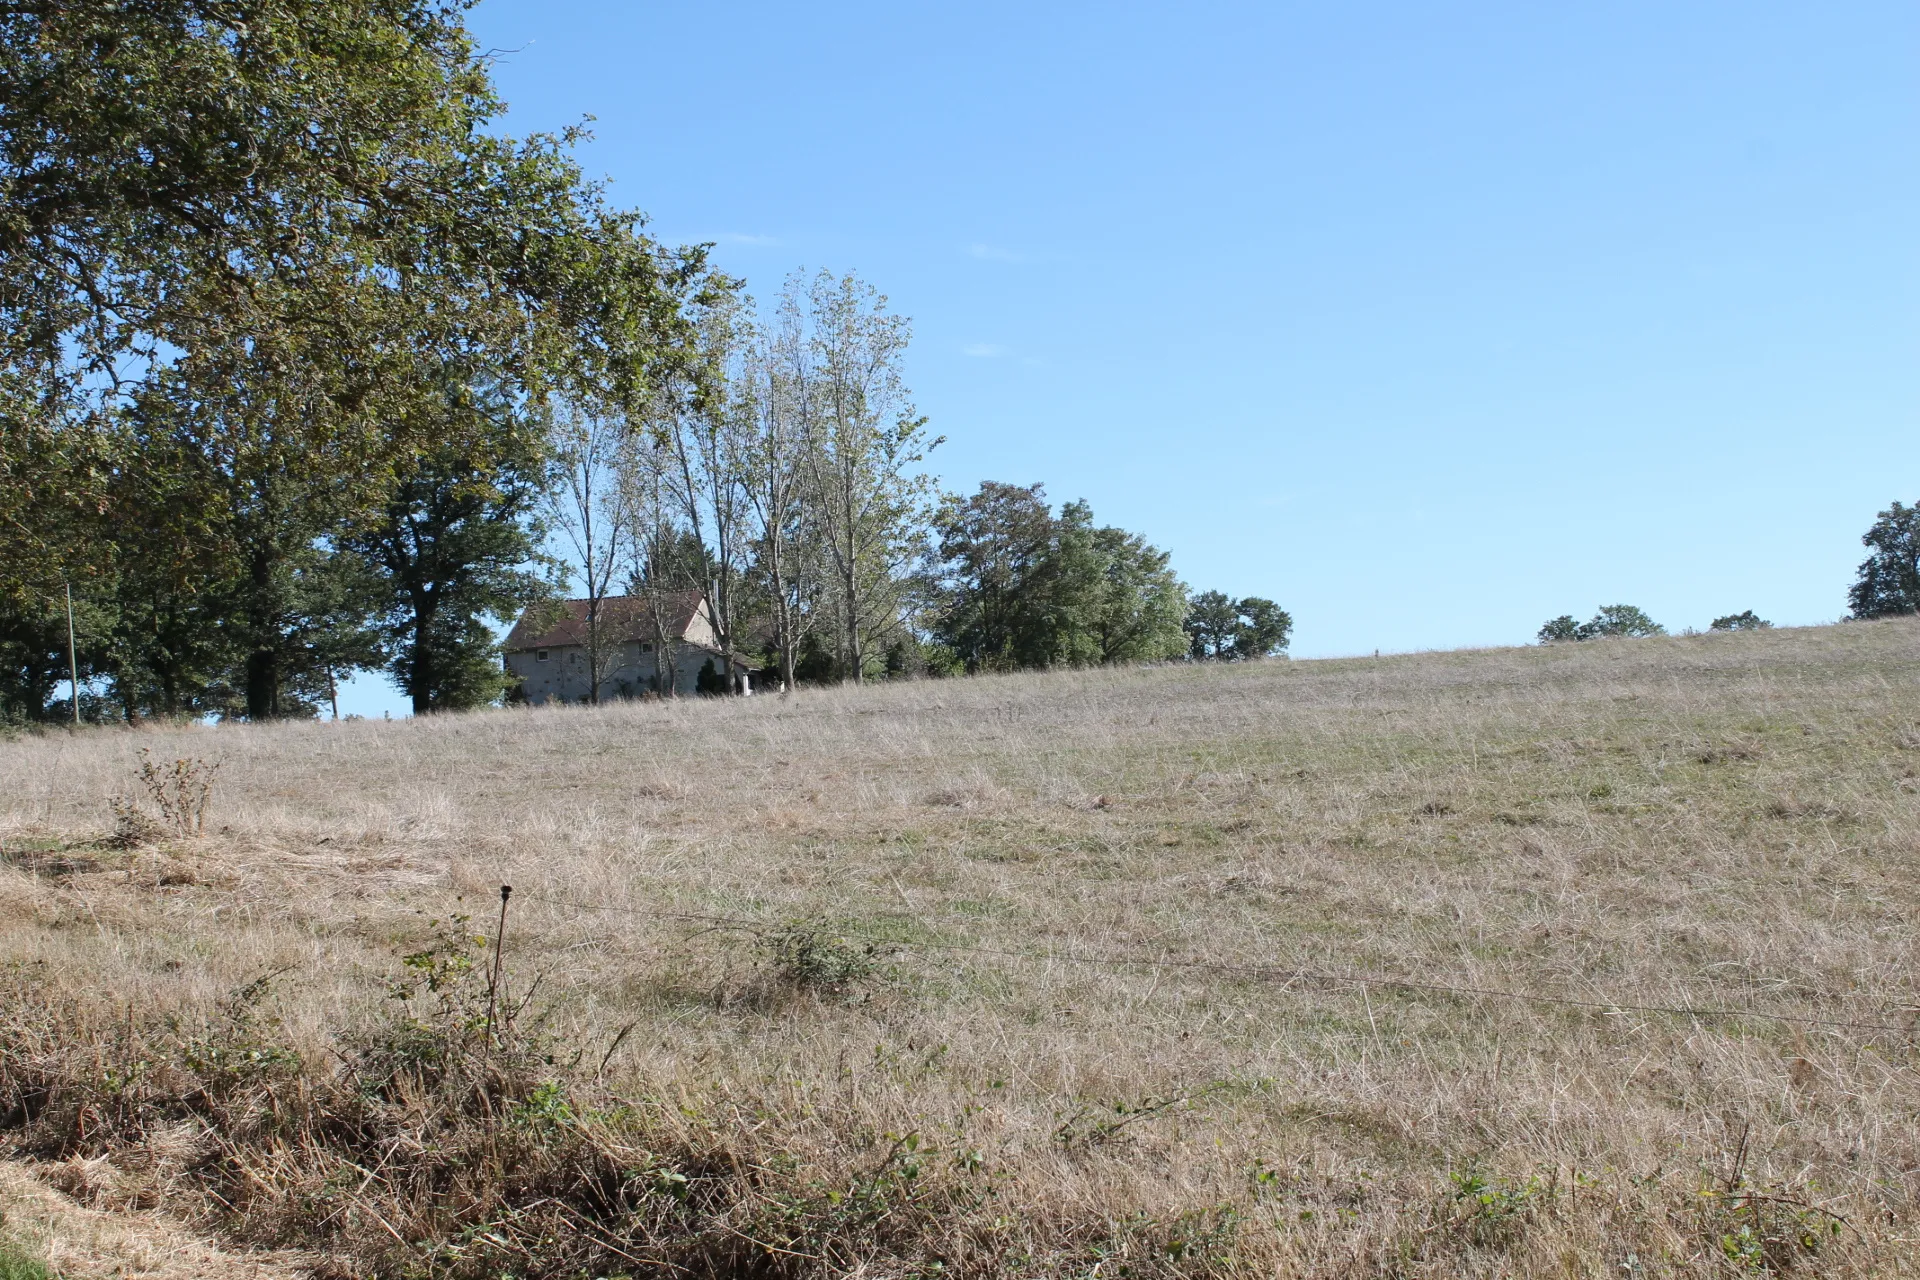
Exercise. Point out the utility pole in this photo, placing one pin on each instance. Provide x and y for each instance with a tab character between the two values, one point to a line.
73	657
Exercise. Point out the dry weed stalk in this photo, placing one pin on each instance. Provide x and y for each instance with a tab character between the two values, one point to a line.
180	791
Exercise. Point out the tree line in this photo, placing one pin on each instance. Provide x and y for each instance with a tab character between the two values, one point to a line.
1886	585
307	369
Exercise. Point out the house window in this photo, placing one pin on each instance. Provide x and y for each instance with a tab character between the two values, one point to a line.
646	646
539	655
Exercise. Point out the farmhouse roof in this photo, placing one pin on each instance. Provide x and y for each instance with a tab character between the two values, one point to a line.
625	617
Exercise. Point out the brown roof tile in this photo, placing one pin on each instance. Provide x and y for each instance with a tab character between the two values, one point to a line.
626	617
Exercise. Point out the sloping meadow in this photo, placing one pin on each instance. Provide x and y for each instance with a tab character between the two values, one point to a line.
1593	959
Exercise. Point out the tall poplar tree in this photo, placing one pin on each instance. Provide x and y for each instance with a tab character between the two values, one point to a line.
775	397
864	441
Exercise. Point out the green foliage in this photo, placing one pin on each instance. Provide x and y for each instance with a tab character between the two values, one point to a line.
1126	604
1492	1210
1764	1233
1210	625
1746	620
674	561
1019	587
1222	629
1889	578
449	550
269	283
545	1107
1264	628
864	440
246	1045
1000	578
18	1262
816	662
1620	620
442	967
904	659
1611	620
1560	629
809	957
33	656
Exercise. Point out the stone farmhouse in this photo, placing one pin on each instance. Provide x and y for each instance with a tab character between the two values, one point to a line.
548	652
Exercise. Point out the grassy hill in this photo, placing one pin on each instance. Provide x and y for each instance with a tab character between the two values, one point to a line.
1332	968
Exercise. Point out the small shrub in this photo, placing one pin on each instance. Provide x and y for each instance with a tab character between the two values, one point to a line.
131	825
1493	1211
1764	1233
1746	621
180	790
545	1108
807	957
245	1045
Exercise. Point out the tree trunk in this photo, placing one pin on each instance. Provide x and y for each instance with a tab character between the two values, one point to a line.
422	677
263	685
263	664
850	586
782	614
855	659
593	648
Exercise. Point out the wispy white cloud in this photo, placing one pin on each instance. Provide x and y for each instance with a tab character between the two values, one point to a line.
984	350
992	253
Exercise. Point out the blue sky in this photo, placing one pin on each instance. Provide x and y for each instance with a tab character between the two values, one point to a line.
1429	322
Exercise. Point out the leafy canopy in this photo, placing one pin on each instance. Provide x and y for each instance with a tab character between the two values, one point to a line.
1220	628
1888	583
1611	620
264	266
1018	586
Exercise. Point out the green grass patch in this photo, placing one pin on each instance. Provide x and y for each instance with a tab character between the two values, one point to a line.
17	1262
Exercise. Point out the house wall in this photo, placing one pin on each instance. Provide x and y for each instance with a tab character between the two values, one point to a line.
563	676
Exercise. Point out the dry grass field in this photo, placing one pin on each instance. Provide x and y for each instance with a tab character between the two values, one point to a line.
1333	968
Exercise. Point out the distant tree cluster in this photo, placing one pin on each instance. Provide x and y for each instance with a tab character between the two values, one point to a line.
778	477
1626	620
1017	586
1887	585
1222	629
1611	620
